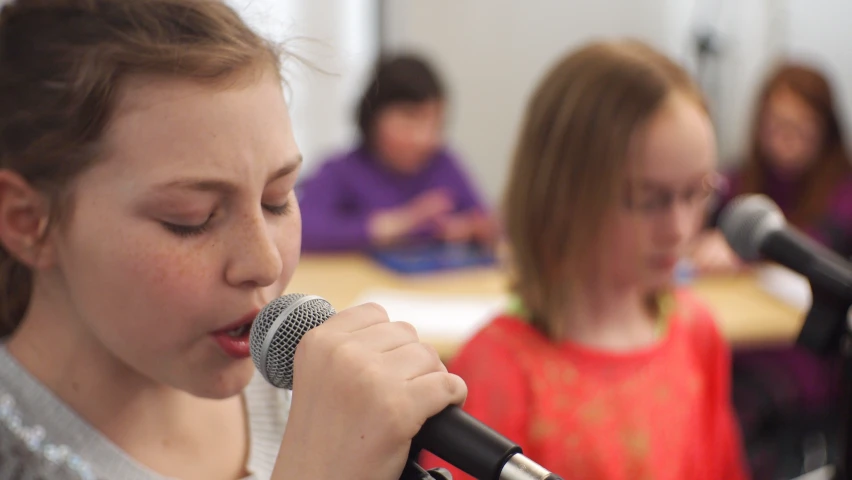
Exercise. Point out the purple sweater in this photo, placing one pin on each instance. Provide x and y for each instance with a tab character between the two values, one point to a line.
340	197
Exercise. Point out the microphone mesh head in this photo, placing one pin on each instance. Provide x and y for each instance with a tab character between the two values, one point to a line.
277	331
747	221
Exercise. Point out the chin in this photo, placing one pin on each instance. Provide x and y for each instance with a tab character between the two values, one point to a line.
224	382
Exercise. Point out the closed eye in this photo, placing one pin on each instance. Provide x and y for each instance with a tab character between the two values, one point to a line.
278	209
193	230
188	230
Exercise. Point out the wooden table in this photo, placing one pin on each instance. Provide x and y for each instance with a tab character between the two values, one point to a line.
746	313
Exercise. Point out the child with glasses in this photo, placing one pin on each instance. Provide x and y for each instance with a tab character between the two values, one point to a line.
602	370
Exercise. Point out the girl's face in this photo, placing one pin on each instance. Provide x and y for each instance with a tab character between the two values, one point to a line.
791	133
670	175
185	229
407	135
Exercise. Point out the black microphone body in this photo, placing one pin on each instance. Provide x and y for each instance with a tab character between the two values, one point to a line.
453	434
755	228
826	270
454	431
468	444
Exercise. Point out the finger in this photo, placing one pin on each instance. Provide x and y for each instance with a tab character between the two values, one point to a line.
384	337
430	197
414	360
358	318
435	391
438	197
430	213
436	193
701	261
454	233
712	257
436	209
733	257
701	254
722	262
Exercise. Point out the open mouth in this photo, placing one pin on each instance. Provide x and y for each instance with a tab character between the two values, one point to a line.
240	331
234	339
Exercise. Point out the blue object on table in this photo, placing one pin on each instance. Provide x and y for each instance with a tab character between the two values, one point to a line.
433	257
685	272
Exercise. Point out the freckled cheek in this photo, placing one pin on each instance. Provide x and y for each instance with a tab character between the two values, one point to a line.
172	274
289	245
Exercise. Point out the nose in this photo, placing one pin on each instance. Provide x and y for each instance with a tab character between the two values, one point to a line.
255	257
427	136
682	220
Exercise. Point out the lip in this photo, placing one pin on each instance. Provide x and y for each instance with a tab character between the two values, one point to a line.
244	320
236	347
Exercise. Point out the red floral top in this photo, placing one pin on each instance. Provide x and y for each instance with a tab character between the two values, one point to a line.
661	413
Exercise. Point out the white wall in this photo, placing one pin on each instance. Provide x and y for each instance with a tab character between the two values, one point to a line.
340	39
492	52
821	31
749	35
754	35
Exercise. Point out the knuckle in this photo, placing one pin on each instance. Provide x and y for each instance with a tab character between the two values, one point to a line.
408	328
453	385
376	311
360	368
348	355
430	356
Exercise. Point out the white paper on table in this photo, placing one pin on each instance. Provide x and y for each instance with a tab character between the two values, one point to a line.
443	316
785	284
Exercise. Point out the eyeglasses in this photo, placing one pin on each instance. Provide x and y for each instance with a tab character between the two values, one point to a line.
657	201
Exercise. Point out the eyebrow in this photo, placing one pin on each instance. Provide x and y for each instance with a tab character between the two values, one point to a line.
646	184
218	185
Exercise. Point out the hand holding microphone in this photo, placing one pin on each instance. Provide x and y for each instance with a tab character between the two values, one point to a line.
363	388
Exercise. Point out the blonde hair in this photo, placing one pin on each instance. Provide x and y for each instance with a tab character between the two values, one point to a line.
568	166
62	65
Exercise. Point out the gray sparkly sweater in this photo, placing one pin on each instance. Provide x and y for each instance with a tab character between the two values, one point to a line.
43	439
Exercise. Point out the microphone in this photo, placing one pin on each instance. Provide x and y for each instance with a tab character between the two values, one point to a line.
453	434
754	227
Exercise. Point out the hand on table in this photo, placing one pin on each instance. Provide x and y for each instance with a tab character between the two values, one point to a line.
712	254
392	225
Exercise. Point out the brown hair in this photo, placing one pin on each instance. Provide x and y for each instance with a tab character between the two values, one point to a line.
832	165
62	65
404	78
568	167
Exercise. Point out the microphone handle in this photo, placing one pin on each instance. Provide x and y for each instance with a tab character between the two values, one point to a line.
476	449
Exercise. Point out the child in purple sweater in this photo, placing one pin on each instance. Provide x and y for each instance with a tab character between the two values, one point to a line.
401	184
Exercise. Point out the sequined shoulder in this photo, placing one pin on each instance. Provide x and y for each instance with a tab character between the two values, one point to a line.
26	452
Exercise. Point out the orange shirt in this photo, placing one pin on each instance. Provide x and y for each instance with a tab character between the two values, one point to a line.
661	413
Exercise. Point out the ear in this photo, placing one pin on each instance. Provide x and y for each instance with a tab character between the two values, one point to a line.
24	215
